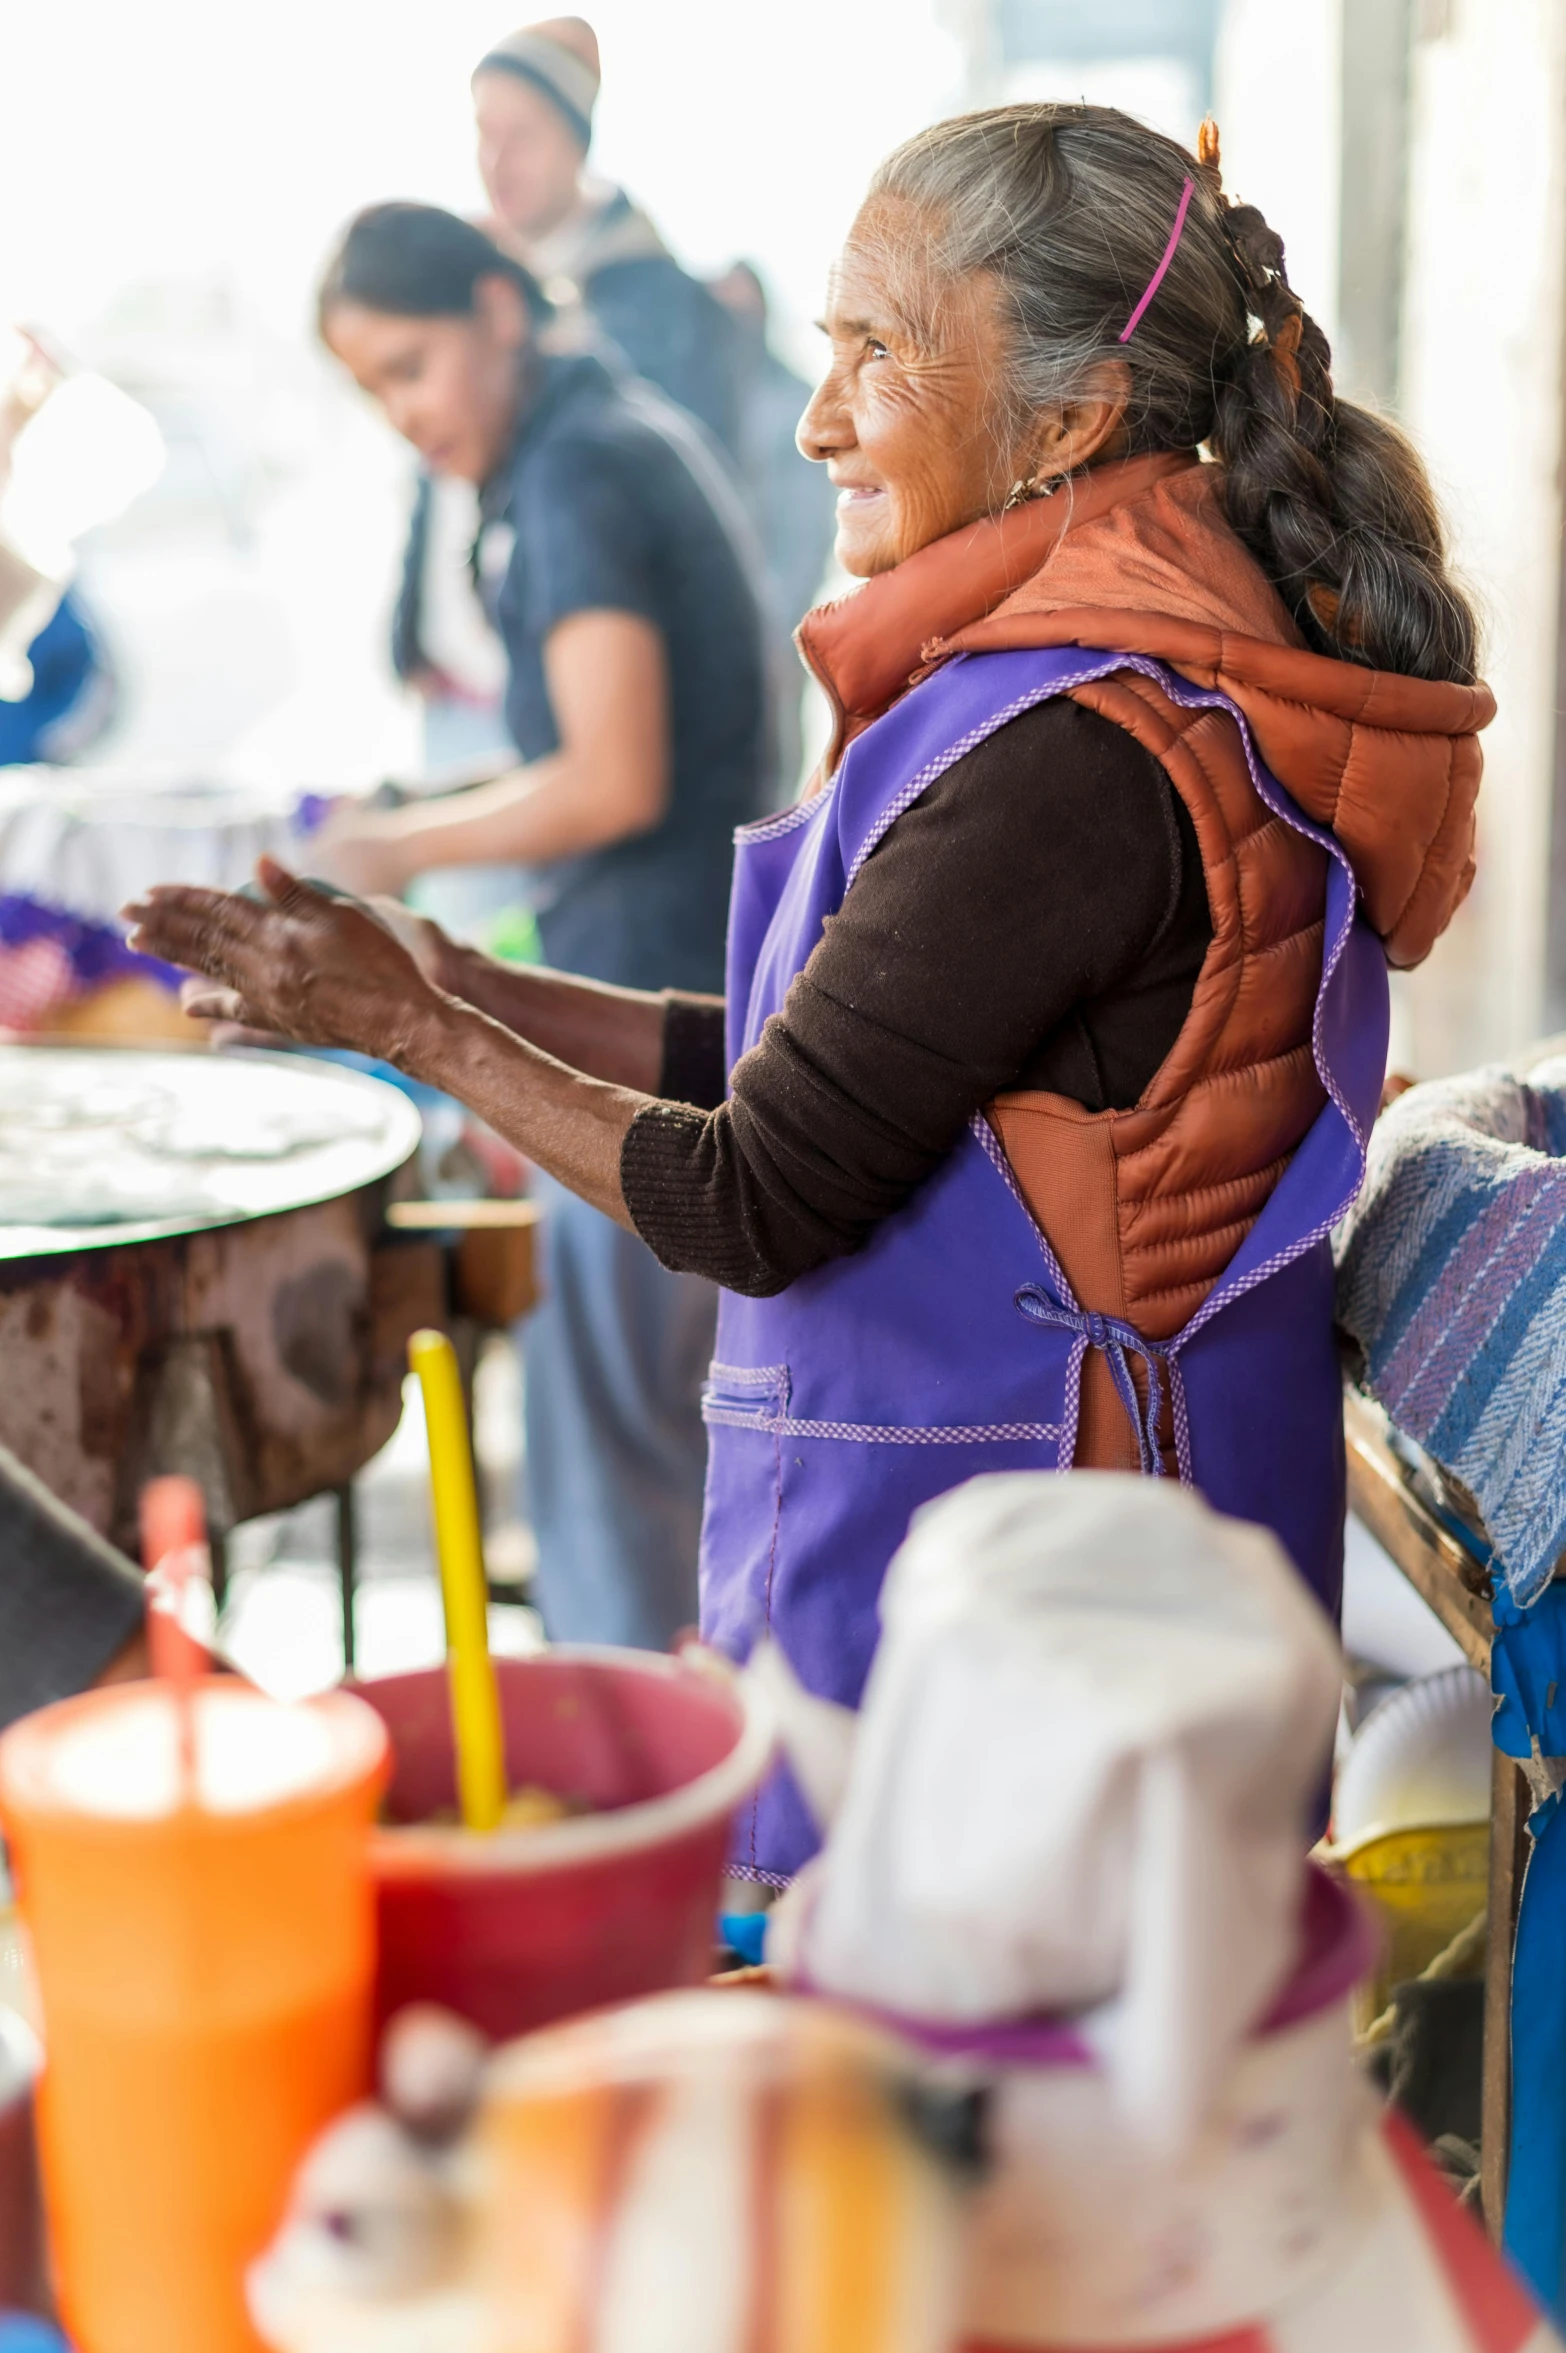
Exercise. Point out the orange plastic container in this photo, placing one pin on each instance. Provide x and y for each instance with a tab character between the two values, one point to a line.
204	1954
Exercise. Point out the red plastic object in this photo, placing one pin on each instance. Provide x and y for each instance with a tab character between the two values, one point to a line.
173	1550
173	1519
517	1928
22	2281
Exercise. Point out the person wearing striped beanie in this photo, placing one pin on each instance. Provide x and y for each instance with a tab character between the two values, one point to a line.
601	261
534	94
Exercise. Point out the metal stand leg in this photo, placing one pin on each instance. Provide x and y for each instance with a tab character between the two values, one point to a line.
347	1566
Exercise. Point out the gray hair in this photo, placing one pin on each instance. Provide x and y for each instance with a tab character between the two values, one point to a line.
1070	209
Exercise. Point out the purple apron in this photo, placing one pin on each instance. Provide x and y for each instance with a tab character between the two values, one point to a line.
952	1344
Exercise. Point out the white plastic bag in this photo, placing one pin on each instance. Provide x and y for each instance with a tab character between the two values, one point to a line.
1083	1778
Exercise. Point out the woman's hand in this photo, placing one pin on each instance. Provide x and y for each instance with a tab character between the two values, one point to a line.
322	971
438	956
327	972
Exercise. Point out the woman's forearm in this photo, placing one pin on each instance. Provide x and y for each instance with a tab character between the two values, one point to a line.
610	779
571	1125
523	816
559	807
607	1033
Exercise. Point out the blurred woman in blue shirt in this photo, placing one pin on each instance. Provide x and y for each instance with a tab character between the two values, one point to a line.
618	567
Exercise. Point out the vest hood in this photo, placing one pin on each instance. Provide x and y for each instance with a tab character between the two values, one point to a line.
1138	558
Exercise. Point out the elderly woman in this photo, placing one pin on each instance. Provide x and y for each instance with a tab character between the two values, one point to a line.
1056	1015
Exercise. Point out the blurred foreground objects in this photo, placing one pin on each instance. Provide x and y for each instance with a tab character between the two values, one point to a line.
193	1874
700	2173
1067	1852
23	2282
1083	1774
1067	2058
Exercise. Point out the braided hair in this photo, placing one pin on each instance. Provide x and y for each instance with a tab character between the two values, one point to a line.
1069	209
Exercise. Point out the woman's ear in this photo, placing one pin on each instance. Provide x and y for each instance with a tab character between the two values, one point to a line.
499	304
1091	426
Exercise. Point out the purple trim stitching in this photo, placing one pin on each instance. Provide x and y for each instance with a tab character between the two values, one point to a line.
1181	690
1200	698
1068	1435
780	1423
1182	1422
752	1873
767	829
924	1434
995	1152
880	1433
906	795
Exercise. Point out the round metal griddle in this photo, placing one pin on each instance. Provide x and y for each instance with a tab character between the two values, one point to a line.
196	1275
103	1148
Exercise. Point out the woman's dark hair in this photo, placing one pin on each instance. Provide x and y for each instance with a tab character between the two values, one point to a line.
1070	208
413	261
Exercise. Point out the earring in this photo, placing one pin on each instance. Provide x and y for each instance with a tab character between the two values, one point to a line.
1028	488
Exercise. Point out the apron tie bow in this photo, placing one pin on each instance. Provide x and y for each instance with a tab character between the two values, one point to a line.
1117	1342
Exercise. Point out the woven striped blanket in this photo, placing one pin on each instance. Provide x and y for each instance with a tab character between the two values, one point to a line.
1452	1278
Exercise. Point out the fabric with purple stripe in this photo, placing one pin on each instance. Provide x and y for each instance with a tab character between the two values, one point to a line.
1452	1278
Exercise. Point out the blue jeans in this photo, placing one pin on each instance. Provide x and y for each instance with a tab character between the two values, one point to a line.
614	1358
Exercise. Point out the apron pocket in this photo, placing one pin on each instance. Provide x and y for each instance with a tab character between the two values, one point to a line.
742	1397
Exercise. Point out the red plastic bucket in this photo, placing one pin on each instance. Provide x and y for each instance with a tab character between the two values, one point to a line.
521	1927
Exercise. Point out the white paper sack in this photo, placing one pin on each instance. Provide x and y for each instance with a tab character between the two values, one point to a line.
1087	1755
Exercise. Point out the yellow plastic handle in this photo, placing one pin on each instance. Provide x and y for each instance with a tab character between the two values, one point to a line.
475	1700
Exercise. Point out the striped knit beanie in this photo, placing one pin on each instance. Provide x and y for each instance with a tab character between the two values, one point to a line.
560	58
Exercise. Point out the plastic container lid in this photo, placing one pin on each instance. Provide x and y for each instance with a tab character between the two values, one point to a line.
1421	1757
119	1760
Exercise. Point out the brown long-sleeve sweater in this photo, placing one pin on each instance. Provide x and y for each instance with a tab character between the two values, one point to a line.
1037	919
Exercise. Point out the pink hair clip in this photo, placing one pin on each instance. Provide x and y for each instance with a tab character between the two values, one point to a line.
1157	278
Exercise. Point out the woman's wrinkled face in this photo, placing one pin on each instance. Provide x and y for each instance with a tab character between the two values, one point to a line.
448	385
906	419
